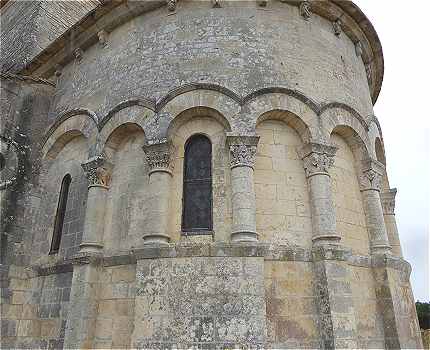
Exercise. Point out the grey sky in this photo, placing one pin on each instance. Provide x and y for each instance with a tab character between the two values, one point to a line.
403	29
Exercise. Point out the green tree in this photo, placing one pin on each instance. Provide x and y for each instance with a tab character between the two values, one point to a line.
423	312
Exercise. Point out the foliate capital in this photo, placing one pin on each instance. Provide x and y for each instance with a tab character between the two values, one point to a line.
171	5
388	201
371	176
98	171
159	156
216	3
318	158
305	9
242	150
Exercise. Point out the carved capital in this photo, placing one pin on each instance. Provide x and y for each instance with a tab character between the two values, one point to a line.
317	158
369	73
103	38
337	27
98	171
388	201
171	5
58	70
358	48
242	150
371	176
159	156
216	3
305	9
262	3
79	53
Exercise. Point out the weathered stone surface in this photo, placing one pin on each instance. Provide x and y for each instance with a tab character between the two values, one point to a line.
221	301
277	87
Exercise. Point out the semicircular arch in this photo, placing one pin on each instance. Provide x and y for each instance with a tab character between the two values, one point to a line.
71	127
285	107
200	111
201	102
135	114
358	146
338	118
118	135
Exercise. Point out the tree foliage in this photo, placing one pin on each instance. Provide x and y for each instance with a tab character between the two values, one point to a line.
423	312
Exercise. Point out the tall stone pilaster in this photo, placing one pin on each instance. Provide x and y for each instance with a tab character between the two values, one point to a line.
388	201
317	159
81	324
159	159
98	171
242	159
396	302
337	323
370	186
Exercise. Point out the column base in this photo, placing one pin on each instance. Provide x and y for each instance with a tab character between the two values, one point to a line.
156	238
379	249
331	239
90	247
244	236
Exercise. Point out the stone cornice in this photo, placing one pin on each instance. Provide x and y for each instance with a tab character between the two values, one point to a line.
267	251
111	14
25	79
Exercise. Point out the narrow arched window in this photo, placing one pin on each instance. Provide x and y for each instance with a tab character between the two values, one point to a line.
61	212
197	195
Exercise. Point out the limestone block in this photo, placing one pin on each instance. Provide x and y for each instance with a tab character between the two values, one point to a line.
50	328
28	328
123	274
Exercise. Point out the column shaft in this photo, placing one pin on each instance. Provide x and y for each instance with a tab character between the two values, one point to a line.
94	219
98	172
243	203
242	159
81	324
159	160
370	184
159	185
317	159
388	201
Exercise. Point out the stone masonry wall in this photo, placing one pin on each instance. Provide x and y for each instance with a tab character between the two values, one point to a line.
127	204
370	330
220	303
116	307
37	314
350	220
292	320
159	51
220	175
283	291
28	27
68	161
283	207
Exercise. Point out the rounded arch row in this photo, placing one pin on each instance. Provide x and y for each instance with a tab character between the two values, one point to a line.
237	114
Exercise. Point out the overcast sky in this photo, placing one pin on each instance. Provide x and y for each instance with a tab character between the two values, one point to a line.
402	109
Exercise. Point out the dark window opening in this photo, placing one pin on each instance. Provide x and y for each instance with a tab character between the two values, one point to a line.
197	190
2	162
61	212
